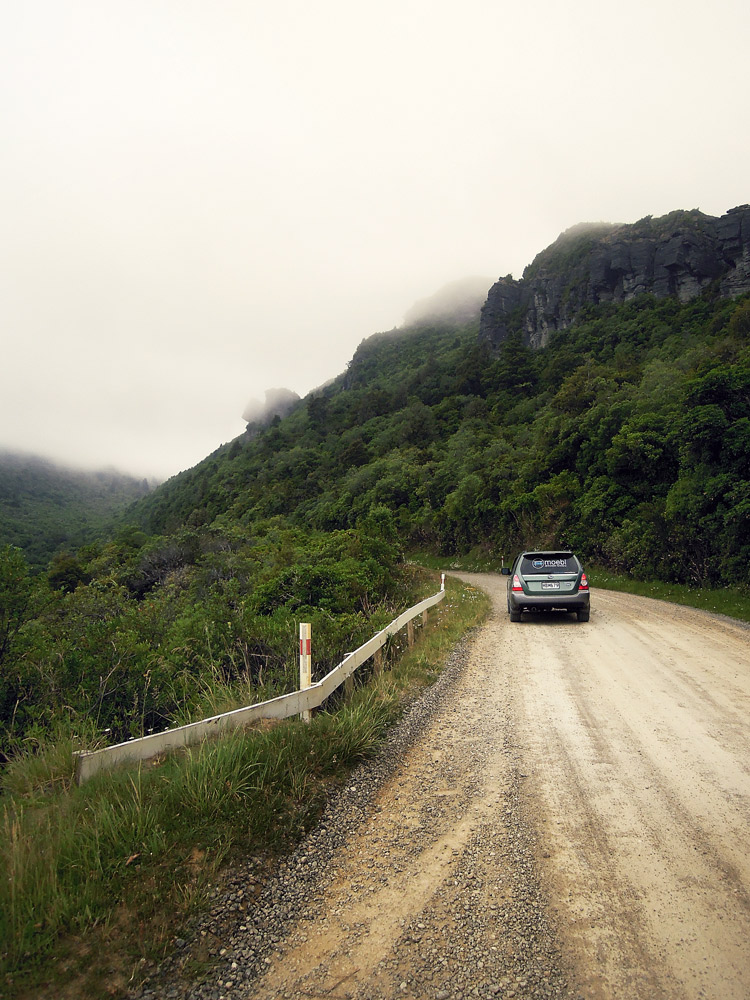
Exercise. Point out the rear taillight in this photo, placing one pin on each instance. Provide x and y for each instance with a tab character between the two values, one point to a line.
516	584
584	584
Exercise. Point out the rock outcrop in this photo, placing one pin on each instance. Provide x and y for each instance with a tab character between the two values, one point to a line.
680	255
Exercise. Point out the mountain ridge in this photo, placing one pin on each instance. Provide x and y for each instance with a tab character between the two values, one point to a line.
682	255
45	505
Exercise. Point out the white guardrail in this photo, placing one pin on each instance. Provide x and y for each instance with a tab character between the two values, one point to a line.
283	707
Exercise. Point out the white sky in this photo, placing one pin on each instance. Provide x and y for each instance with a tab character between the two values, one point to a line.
203	199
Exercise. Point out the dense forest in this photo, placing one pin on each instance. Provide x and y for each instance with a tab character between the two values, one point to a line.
627	438
46	508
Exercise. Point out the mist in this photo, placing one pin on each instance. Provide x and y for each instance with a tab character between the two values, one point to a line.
457	302
201	202
278	403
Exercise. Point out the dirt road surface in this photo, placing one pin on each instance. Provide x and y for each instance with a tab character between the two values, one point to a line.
573	821
636	731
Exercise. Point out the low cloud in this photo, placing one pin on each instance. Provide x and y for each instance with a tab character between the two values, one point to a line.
278	403
457	302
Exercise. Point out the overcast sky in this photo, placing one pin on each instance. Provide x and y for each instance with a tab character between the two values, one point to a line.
203	199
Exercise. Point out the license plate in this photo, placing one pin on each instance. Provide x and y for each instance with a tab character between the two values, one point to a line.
550	586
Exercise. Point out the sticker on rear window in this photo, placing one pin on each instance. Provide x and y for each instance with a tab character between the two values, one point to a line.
550	564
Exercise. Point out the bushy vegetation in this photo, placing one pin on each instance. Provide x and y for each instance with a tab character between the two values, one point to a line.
100	879
46	509
142	633
628	437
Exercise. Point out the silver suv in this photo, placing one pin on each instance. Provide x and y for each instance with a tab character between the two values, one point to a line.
547	581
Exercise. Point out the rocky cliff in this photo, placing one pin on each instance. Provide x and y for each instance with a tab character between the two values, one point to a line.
680	254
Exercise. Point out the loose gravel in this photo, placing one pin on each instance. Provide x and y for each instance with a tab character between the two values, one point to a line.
419	881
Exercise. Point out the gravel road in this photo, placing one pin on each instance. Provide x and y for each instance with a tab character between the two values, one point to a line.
565	815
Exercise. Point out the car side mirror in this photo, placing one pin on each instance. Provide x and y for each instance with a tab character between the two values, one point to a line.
505	571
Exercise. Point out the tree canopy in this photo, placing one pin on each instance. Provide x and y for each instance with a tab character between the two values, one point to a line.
626	438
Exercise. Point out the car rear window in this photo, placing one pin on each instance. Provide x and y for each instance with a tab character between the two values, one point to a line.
549	562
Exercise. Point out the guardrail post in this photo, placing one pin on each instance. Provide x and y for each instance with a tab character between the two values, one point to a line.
442	581
282	707
410	633
305	662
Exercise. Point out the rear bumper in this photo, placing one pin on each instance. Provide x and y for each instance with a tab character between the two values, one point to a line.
549	602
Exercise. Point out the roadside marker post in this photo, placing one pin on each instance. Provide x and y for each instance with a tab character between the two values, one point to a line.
305	662
284	706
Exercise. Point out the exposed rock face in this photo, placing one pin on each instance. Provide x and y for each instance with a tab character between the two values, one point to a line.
679	254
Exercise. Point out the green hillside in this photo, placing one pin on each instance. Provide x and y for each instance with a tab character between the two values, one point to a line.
44	506
627	438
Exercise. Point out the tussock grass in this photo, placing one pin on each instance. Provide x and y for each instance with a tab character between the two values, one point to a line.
215	695
731	601
137	848
49	767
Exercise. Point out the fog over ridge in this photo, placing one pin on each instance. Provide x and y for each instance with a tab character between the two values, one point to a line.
203	201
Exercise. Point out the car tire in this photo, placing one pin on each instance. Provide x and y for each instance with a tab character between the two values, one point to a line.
515	616
583	616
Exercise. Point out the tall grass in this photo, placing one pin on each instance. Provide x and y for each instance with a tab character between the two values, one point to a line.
122	847
731	601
